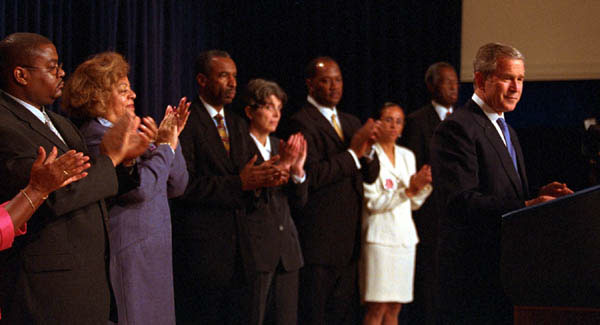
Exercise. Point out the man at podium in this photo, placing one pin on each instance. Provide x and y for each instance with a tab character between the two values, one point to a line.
479	172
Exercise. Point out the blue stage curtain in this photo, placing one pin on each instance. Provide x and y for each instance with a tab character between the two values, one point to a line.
383	47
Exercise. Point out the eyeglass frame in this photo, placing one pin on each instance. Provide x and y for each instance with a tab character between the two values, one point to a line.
58	68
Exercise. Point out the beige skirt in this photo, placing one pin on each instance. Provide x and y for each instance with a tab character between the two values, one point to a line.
386	273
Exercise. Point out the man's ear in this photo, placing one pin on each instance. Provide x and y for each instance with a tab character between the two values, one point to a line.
248	109
309	85
479	79
201	80
431	88
21	76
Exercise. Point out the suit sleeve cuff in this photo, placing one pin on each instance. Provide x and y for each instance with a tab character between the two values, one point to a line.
298	180
355	157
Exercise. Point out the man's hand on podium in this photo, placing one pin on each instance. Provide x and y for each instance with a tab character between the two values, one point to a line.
539	199
550	192
555	189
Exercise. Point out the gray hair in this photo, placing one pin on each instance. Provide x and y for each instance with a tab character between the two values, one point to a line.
432	75
488	55
258	90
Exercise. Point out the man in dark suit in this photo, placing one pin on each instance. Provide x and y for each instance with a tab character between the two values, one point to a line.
339	160
479	173
208	269
57	272
442	83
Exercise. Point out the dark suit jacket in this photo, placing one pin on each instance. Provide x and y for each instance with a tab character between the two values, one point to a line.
418	131
476	181
56	273
329	224
416	136
269	225
206	218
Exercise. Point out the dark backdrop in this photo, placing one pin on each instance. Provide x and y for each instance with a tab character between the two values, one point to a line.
383	48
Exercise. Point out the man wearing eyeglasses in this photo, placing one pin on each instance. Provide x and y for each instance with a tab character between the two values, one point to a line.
56	273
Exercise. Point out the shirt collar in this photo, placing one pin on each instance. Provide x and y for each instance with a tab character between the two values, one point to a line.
104	122
441	110
34	110
489	112
211	110
265	150
326	111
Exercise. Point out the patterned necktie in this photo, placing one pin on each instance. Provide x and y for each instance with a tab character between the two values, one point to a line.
222	131
511	150
337	127
49	124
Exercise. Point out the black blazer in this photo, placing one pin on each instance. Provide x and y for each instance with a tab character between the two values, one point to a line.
269	225
206	217
418	131
416	136
476	182
56	273
329	224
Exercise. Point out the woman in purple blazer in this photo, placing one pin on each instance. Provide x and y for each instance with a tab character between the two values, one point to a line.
140	221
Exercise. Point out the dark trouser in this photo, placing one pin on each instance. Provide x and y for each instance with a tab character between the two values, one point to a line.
200	302
274	296
329	294
422	309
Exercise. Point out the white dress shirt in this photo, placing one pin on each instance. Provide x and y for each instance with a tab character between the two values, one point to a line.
441	111
490	113
212	112
328	112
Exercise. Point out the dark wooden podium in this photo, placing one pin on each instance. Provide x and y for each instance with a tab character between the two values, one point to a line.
550	264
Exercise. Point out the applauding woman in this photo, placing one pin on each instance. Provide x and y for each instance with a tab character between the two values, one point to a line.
388	233
140	221
274	256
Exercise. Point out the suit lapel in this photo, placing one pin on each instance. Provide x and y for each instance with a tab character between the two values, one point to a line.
496	142
211	135
36	125
68	133
274	145
322	123
236	141
433	119
520	161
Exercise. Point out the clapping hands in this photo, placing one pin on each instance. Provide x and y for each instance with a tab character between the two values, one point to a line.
173	123
293	154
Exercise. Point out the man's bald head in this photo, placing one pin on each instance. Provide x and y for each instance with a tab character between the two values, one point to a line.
324	81
18	49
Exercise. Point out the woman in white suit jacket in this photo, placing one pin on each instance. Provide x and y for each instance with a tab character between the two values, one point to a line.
388	233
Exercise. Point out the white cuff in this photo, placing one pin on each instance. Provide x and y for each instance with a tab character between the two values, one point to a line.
355	157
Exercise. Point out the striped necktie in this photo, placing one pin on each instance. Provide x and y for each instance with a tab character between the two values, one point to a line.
222	131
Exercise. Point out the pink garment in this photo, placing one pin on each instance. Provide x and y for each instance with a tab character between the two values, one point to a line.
7	229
